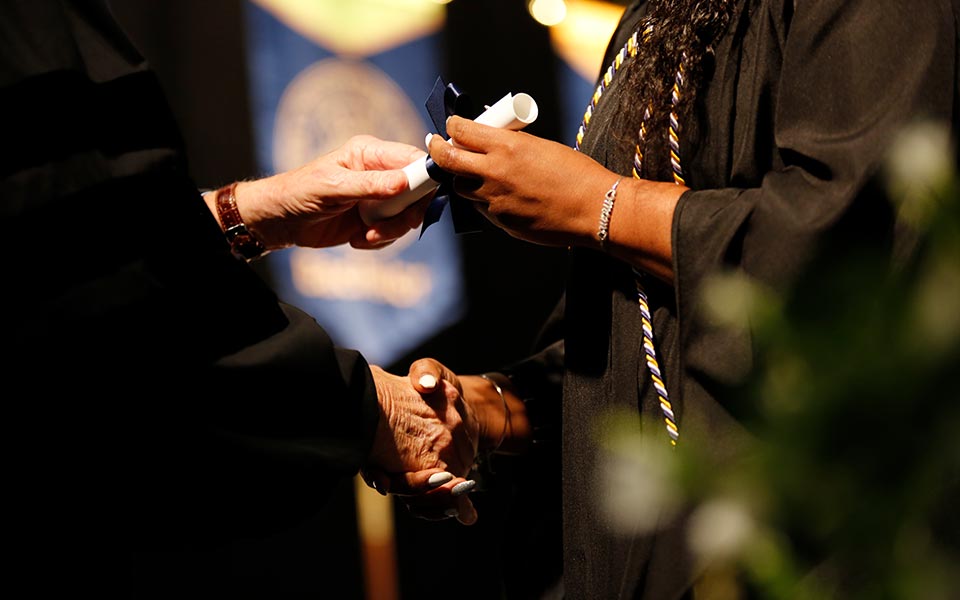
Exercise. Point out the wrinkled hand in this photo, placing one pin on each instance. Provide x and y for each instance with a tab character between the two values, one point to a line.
315	205
428	376
425	444
535	189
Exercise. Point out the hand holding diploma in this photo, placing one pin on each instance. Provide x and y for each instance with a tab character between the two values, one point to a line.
513	112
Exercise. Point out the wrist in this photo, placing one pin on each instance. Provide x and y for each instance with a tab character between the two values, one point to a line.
606	214
595	216
244	243
383	437
261	210
500	413
504	416
486	406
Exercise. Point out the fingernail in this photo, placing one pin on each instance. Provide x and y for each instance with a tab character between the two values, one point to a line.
463	487
438	479
451	512
426	140
428	381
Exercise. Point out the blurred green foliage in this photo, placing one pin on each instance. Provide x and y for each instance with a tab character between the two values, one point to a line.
850	486
853	489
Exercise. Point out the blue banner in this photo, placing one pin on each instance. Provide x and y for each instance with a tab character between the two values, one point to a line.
321	72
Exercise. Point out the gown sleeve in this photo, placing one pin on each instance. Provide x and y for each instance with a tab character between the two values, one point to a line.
161	388
853	74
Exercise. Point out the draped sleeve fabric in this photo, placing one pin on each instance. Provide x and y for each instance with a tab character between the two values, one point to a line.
161	393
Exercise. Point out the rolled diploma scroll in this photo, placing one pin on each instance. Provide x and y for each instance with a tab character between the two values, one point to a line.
510	112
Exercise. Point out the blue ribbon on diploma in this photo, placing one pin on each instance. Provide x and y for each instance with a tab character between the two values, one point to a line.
444	101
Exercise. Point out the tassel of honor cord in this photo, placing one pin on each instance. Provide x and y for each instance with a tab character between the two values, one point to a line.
423	176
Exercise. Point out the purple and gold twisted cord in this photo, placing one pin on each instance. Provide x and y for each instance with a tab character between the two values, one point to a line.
650	352
674	130
650	355
629	50
641	144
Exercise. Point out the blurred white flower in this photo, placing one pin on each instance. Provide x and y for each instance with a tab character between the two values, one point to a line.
735	300
720	530
635	482
920	162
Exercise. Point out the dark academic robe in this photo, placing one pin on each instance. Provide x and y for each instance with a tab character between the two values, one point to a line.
156	394
797	111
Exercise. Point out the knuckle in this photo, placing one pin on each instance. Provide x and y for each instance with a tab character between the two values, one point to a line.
337	179
422	364
455	159
454	125
442	153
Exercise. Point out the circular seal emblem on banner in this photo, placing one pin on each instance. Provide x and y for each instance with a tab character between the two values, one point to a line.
335	99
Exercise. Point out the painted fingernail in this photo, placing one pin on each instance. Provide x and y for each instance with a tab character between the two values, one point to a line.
463	487
426	140
428	381
438	479
451	512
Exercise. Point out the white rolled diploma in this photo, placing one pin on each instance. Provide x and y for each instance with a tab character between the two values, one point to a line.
510	112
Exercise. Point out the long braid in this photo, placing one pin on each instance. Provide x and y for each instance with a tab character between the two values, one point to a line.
682	28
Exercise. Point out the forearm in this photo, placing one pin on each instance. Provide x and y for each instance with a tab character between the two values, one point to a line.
504	426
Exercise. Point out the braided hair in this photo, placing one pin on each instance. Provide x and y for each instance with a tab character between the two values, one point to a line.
681	30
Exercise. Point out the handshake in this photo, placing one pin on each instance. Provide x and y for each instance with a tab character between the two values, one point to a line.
432	426
432	423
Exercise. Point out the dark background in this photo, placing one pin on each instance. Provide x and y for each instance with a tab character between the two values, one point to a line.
197	48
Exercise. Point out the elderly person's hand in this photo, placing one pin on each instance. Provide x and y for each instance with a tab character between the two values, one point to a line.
496	421
425	445
315	205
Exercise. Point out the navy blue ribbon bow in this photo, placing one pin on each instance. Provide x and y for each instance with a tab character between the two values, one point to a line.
444	101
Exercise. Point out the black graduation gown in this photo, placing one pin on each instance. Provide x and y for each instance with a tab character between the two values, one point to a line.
157	395
796	114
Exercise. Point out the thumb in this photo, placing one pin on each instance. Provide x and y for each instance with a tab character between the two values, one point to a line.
426	374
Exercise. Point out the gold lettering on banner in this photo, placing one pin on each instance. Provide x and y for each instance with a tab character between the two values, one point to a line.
358	27
344	277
